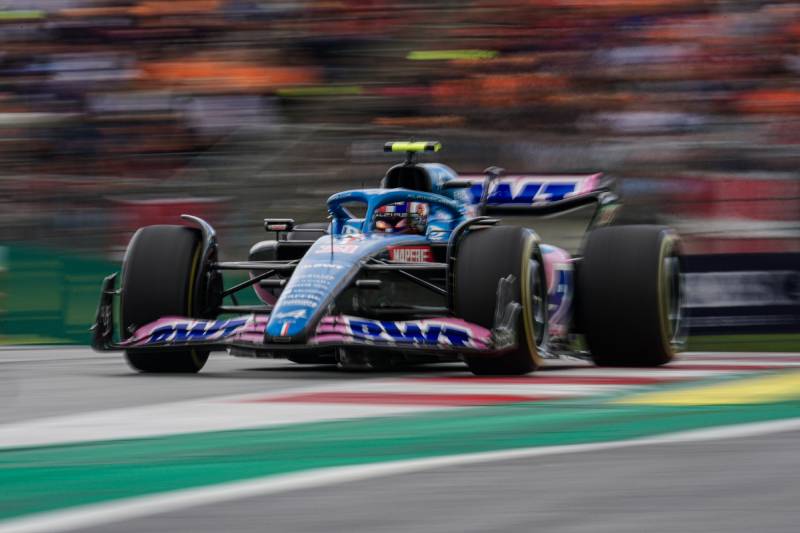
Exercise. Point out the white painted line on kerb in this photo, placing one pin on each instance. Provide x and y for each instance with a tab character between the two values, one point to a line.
131	508
235	412
221	413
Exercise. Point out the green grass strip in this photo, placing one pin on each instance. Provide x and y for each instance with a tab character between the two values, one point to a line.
53	477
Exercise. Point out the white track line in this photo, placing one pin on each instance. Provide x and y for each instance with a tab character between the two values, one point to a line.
665	372
259	410
183	418
191	416
754	355
734	363
266	409
131	508
434	388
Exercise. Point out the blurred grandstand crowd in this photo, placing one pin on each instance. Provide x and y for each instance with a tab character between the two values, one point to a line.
115	113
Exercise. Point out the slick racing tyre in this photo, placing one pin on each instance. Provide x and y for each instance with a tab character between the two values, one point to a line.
484	257
629	295
159	272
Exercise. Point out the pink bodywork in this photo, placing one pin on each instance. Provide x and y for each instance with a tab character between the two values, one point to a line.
250	332
336	329
250	329
560	287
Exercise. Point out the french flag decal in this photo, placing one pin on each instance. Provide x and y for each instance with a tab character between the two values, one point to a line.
284	329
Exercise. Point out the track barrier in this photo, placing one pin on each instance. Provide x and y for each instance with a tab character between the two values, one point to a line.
50	296
743	293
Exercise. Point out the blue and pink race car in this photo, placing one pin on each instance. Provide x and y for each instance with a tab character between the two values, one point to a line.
419	270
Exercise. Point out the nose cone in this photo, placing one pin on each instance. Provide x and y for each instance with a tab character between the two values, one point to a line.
326	269
311	287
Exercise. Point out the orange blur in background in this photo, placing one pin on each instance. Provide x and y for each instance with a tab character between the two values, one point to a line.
246	107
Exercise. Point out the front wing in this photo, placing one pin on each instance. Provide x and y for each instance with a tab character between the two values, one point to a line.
246	334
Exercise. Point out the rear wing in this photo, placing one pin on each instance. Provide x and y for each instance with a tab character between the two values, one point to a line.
538	195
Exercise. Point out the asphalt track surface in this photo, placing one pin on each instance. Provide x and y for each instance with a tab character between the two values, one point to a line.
56	381
735	485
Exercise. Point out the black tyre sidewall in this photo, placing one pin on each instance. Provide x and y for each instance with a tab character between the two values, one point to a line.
484	257
159	272
620	301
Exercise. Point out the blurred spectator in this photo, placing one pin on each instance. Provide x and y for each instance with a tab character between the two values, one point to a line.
121	97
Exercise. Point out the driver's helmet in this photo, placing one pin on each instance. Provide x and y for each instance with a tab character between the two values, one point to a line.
401	217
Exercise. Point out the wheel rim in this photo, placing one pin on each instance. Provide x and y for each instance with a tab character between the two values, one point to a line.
673	300
537	300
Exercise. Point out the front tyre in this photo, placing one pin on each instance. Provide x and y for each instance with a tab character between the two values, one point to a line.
484	257
161	266
629	295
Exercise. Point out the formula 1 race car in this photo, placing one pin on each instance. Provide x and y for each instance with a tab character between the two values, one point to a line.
424	274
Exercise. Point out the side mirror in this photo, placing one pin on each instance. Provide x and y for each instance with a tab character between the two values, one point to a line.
278	224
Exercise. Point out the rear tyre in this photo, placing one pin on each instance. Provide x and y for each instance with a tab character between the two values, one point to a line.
484	257
629	295
159	272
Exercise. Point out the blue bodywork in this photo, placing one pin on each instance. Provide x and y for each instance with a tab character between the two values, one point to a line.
304	313
334	260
